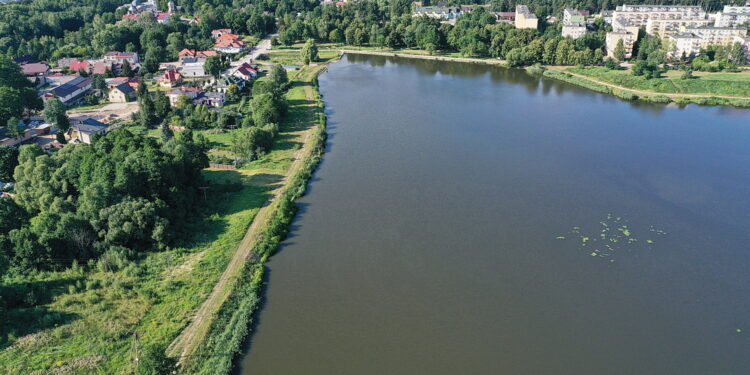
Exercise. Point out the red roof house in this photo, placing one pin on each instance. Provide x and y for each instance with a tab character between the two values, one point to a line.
170	78
219	32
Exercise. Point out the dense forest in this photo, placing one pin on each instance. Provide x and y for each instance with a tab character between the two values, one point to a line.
50	30
121	194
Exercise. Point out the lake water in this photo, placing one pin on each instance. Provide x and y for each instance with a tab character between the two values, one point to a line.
430	239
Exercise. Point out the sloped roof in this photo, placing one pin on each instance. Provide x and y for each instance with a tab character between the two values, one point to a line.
125	88
71	87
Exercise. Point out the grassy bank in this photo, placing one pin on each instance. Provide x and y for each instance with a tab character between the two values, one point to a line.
83	320
232	323
633	87
703	83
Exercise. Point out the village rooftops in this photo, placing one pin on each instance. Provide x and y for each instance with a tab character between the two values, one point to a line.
34	69
120	54
90	126
125	88
71	87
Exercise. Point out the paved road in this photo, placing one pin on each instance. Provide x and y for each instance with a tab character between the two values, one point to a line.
264	46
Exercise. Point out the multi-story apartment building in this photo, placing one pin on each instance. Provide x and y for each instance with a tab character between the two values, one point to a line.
573	16
733	16
667	27
574	30
640	14
525	19
574	24
693	40
628	39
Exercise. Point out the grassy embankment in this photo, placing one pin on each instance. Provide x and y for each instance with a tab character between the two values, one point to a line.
705	89
328	50
81	320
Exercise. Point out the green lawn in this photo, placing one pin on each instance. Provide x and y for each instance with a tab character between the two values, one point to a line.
731	84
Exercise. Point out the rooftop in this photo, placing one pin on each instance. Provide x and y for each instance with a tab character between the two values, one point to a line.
71	87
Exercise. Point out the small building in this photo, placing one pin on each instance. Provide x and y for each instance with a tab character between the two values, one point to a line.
223	83
193	54
174	95
170	78
220	32
505	17
40	69
80	66
245	71
193	68
230	46
121	57
525	19
84	131
121	93
212	99
73	90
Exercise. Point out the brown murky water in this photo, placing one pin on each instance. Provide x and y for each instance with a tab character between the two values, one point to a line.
428	241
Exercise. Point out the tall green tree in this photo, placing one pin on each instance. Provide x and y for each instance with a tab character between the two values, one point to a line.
619	51
8	162
54	113
309	52
214	66
14	127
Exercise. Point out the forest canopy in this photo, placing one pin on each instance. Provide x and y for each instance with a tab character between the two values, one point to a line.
123	193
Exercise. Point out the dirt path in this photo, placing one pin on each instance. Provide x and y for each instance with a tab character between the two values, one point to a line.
192	336
425	57
644	92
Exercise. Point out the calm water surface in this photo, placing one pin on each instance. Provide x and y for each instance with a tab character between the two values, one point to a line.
428	241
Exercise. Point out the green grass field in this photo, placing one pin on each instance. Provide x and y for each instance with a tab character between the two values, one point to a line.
730	84
83	318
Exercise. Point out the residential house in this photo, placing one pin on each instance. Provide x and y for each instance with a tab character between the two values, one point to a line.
505	17
73	90
219	32
244	71
223	83
36	72
230	46
174	95
121	93
78	66
193	68
191	53
121	57
84	131
447	13
101	67
163	17
212	99
65	62
525	19
170	78
29	131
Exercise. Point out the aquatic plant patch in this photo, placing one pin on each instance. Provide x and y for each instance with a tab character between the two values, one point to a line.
614	236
